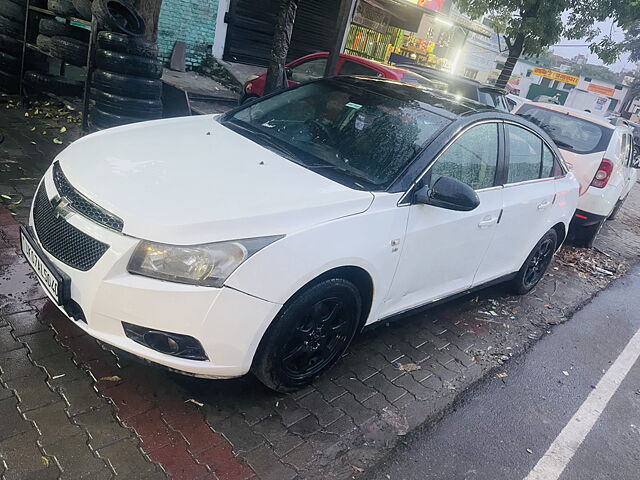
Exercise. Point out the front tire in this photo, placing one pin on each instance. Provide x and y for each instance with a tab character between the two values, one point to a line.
536	264
310	333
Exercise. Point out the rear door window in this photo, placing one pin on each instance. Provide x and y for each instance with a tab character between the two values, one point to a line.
309	70
527	157
354	68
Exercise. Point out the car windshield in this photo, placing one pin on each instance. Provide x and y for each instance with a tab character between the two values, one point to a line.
570	133
358	133
492	98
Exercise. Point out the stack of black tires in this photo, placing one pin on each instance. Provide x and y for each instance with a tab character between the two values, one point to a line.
126	82
11	32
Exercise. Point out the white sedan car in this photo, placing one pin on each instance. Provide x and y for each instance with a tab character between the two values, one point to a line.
600	154
266	238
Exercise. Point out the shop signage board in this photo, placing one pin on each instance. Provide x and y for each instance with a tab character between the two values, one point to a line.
437	5
555	75
608	91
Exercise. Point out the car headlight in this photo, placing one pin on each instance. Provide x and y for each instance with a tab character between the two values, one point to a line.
207	265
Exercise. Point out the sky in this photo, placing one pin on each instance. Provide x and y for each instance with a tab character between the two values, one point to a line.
571	48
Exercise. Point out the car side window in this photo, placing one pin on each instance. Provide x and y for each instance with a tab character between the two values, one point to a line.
548	162
353	68
308	70
525	155
472	158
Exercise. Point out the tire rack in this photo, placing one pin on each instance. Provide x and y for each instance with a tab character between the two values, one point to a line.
90	56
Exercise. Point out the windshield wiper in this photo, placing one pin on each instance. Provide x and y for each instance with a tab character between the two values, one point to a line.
560	143
269	141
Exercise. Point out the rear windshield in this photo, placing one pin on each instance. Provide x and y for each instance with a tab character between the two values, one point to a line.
364	137
570	133
415	79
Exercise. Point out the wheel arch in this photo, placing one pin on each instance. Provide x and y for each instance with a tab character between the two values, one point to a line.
561	231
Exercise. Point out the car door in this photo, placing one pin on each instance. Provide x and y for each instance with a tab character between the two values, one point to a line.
443	248
627	163
529	198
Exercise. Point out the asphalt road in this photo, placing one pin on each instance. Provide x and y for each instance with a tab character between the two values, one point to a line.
553	399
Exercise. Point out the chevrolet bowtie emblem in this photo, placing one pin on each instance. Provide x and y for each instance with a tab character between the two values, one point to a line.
62	207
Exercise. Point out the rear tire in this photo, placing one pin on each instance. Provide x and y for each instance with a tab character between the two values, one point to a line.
310	333
535	265
54	84
585	237
616	209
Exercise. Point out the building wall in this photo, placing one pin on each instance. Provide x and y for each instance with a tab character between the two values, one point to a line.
191	21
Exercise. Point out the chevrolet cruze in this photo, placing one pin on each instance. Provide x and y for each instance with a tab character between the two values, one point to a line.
264	239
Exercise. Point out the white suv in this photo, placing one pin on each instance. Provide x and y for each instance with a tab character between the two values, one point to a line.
601	156
265	239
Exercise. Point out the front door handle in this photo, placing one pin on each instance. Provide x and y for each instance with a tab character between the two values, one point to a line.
544	205
487	222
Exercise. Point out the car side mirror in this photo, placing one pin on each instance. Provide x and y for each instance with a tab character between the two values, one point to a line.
449	193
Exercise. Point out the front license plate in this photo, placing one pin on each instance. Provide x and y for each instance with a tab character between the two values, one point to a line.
52	280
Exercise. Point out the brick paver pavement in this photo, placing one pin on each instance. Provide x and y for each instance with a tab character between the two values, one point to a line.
70	404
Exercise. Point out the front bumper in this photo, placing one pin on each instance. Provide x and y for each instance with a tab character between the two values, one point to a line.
228	323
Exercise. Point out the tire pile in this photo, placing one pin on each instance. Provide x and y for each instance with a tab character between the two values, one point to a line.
126	82
11	33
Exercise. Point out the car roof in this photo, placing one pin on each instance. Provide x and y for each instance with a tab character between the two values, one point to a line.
452	106
355	58
574	112
441	74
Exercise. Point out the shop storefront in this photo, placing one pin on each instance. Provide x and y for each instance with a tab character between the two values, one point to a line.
409	31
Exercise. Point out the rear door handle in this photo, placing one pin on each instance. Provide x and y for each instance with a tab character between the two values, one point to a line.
544	205
487	222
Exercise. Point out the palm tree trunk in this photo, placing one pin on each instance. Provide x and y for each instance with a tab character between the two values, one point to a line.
276	76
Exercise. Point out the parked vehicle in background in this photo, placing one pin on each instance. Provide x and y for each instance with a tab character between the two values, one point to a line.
601	156
487	94
311	67
514	101
311	213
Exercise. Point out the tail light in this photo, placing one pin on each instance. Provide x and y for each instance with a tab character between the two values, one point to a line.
603	174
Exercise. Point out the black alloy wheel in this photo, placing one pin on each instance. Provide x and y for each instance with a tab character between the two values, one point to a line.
309	335
320	335
536	264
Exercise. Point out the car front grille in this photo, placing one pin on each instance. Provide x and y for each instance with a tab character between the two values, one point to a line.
63	240
83	205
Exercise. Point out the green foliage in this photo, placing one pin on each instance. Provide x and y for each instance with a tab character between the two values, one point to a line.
535	23
538	23
597	72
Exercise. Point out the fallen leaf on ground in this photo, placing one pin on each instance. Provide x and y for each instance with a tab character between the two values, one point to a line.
357	469
33	129
45	461
57	141
565	373
529	450
63	129
409	367
502	375
55	377
195	402
113	378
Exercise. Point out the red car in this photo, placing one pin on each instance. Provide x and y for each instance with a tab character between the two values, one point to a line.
312	66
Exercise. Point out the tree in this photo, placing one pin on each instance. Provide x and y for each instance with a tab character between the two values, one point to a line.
276	75
149	10
598	72
528	26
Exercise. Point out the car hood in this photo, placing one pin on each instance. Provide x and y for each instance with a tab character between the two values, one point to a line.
191	180
584	166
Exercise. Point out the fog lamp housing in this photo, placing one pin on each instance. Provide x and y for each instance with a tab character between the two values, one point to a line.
174	344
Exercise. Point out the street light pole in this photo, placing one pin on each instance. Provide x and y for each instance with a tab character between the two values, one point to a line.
344	17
